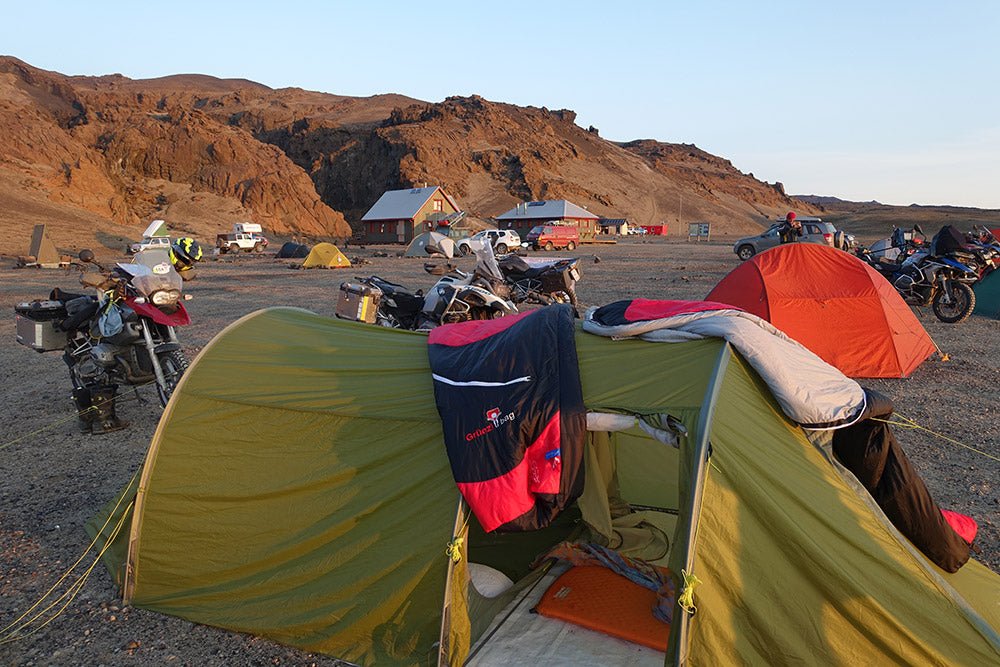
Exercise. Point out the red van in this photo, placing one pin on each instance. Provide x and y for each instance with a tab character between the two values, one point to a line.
550	237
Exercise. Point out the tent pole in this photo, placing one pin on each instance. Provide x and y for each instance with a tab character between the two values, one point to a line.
700	453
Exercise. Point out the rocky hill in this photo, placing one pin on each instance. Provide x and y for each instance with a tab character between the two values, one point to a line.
97	157
492	156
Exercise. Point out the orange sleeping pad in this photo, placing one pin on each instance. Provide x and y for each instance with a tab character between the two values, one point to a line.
594	597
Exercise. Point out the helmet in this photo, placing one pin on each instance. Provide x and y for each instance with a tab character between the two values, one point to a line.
184	252
790	216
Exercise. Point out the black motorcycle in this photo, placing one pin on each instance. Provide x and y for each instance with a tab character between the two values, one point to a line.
457	296
543	282
928	276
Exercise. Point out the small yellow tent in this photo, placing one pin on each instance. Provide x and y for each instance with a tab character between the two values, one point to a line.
325	256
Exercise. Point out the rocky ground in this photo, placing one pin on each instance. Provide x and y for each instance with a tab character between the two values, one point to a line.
52	479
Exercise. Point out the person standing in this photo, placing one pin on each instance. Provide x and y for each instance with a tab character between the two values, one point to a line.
791	229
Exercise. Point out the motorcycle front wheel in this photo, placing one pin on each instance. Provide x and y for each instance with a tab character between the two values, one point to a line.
173	364
963	301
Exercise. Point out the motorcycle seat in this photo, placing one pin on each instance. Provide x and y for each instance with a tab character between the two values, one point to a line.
516	268
58	294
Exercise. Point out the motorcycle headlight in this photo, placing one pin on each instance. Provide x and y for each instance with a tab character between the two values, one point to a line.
165	297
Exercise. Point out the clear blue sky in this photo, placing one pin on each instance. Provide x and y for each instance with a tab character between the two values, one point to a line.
895	101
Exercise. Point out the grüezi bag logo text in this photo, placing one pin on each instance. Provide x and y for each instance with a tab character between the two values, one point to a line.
494	421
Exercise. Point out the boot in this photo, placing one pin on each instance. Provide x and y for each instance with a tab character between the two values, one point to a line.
104	419
85	411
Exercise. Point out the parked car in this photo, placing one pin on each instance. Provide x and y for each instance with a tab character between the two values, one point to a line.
149	243
814	230
551	237
246	236
502	240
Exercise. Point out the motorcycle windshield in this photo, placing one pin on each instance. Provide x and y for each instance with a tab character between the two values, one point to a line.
486	263
152	271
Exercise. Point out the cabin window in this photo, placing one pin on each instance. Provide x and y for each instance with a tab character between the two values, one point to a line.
438	205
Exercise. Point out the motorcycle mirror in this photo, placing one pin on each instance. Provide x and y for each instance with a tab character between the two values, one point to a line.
917	229
86	255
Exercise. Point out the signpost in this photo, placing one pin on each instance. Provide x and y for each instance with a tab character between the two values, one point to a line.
699	231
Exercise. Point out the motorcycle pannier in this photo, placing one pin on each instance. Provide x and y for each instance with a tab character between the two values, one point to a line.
358	302
36	325
555	281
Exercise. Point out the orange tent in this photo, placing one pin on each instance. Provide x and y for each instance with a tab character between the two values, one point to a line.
834	304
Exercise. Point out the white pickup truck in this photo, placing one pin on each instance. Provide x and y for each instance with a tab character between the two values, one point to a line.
246	236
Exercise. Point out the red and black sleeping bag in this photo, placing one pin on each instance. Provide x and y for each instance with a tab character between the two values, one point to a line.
511	406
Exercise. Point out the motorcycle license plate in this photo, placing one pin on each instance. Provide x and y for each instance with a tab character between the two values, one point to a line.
574	274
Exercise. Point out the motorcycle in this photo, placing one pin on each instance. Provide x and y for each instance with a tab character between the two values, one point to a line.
543	282
127	335
928	277
456	297
981	252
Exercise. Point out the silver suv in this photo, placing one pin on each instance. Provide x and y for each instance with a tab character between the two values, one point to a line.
502	240
814	230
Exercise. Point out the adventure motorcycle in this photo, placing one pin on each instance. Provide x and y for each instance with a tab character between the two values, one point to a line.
127	335
456	297
927	277
544	282
981	252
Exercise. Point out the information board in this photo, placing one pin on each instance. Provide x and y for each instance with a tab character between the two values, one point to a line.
699	231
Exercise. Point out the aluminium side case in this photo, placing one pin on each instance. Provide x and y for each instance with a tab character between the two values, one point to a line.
358	302
36	325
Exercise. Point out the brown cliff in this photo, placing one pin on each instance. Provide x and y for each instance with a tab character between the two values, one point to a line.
492	156
103	155
116	153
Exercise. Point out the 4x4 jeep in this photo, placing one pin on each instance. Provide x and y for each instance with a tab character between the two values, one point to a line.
149	243
814	230
502	240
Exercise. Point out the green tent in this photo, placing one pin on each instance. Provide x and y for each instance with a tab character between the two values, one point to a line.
297	488
988	296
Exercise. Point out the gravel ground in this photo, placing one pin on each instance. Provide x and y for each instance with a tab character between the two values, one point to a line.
52	479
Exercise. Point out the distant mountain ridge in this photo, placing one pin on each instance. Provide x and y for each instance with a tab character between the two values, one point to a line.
874	219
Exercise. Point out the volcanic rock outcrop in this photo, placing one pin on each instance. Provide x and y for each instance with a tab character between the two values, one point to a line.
103	155
104	152
492	156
